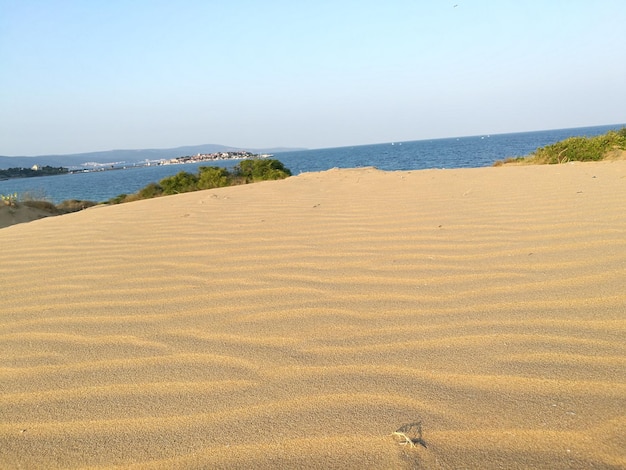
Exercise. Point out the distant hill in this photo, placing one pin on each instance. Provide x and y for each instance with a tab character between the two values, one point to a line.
124	156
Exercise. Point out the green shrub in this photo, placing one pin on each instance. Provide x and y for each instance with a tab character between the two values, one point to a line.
181	182
150	191
120	198
261	170
132	197
213	177
9	199
246	171
580	149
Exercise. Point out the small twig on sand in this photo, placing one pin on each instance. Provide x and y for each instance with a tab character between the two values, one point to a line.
410	434
405	439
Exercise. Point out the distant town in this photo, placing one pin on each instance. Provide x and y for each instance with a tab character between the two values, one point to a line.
87	167
207	157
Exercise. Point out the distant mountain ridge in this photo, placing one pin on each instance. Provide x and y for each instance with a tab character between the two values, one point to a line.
128	156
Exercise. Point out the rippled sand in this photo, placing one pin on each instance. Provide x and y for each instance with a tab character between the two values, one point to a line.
299	323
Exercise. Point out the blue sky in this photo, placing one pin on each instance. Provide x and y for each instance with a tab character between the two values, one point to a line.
78	76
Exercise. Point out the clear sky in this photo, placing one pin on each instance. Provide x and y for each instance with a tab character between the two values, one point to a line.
88	75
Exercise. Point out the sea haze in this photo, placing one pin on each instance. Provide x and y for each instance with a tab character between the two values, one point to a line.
461	152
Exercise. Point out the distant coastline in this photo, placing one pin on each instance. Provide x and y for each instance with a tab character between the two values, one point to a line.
460	152
128	157
32	172
89	167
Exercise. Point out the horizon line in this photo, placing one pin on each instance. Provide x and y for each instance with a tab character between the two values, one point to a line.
298	149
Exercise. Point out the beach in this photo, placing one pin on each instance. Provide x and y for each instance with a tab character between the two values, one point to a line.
354	318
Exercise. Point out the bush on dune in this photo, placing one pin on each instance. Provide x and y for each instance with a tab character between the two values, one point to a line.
45	206
120	198
210	177
213	177
181	182
74	205
150	191
574	149
261	170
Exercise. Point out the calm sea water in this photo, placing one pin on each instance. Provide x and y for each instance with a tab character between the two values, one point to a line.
461	152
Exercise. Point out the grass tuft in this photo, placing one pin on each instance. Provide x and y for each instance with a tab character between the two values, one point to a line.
46	206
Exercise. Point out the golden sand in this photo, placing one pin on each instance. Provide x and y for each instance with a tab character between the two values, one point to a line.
299	323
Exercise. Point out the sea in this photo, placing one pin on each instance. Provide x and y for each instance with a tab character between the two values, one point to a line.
454	152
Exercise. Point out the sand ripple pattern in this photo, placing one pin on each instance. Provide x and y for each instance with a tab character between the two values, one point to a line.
297	324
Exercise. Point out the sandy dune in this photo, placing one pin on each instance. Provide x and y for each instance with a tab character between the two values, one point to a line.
299	323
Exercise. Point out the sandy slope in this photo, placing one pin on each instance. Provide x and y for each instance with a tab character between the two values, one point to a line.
298	323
